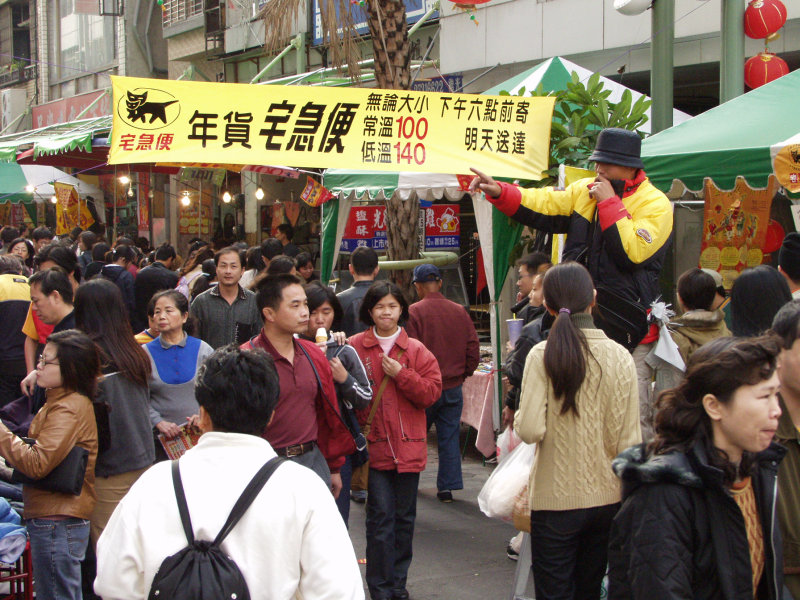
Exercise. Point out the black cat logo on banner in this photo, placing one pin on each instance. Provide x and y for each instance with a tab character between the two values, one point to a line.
148	108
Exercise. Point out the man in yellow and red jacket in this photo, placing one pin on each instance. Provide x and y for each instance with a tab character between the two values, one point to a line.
617	224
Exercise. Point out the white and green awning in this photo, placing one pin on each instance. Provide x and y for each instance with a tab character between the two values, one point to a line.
16	180
378	185
55	139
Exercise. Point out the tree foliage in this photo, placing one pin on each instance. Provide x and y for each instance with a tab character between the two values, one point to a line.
581	112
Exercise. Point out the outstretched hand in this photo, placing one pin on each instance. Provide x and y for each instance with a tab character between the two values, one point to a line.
485	183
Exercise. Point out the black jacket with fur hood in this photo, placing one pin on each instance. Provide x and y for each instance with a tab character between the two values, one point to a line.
680	533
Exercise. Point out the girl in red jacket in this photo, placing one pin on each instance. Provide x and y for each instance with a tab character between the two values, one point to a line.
405	380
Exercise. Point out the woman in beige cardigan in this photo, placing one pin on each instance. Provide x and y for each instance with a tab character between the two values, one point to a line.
580	403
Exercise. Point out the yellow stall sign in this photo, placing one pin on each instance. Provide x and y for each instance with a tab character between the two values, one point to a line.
159	120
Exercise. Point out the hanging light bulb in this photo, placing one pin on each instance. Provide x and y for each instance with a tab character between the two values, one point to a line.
150	194
54	199
185	200
124	180
259	194
226	197
130	192
29	188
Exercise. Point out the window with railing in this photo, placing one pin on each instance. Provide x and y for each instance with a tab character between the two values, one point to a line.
175	11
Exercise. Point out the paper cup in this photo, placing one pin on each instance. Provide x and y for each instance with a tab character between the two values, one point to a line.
514	329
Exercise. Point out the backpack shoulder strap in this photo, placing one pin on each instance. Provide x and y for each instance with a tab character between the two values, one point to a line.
248	495
183	509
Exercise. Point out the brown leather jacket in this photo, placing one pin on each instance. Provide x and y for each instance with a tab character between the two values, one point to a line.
65	420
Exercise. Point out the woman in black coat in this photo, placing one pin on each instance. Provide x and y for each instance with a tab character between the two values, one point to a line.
698	517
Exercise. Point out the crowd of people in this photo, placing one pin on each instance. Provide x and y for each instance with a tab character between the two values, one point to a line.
140	331
676	480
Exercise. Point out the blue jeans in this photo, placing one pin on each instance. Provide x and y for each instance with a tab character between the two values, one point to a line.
570	551
446	414
343	501
57	549
391	511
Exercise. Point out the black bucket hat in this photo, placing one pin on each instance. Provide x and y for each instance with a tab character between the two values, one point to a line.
618	147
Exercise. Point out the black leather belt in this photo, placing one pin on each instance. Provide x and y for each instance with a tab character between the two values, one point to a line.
295	450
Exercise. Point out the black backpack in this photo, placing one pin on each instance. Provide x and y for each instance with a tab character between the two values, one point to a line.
202	571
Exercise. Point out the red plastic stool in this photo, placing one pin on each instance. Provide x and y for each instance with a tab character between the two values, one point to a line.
19	576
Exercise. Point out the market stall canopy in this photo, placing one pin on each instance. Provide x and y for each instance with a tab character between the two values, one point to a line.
377	185
731	139
55	139
15	178
555	73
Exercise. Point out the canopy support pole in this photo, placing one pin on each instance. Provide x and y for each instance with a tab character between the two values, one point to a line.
661	75
16	120
91	106
731	63
297	42
424	18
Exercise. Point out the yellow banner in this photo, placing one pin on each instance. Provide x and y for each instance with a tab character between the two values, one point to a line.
70	211
158	120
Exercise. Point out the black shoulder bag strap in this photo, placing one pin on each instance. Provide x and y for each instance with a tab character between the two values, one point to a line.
237	512
313	368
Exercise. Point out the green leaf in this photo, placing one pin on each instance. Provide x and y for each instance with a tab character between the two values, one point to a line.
594	85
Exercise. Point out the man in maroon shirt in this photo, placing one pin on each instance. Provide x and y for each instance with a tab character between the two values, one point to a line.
447	331
306	426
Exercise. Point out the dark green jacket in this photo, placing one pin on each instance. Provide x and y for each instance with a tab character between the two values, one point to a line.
789	492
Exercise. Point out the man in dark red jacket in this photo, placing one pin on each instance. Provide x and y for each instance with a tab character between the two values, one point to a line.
445	329
306	426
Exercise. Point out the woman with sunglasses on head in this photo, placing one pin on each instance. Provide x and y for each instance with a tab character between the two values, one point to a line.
698	518
57	522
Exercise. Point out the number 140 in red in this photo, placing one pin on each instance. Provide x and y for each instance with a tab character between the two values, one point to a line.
405	152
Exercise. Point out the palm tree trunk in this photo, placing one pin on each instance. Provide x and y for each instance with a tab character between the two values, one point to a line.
402	241
389	31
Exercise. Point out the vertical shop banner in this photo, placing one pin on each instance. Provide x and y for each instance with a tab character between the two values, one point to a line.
365	227
143	205
735	228
71	212
442	227
156	120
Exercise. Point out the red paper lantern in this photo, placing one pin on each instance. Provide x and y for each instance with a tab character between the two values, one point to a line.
763	68
763	18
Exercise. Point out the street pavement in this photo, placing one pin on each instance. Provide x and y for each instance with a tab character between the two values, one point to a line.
459	553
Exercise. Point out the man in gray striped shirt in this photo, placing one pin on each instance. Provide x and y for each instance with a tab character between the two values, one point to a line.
226	313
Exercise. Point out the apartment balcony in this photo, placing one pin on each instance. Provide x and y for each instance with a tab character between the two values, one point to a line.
13	74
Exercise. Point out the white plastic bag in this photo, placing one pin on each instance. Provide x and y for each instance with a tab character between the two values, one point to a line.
496	499
506	442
